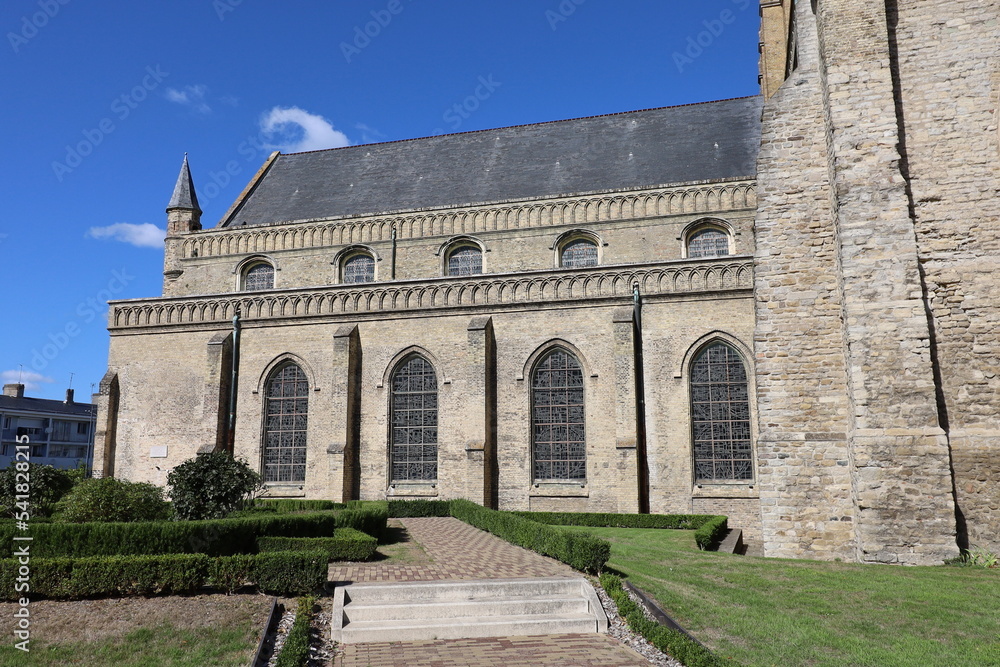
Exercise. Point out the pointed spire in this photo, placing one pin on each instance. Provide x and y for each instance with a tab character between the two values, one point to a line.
184	196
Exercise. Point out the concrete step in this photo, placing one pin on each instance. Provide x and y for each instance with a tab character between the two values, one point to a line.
459	609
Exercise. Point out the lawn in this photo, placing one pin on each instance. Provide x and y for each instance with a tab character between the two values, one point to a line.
763	611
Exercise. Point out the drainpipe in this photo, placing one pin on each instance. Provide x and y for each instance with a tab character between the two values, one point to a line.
392	266
233	382
642	463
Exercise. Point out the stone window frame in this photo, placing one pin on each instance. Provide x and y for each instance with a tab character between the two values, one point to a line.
281	489
571	236
349	252
683	372
273	370
706	224
455	243
248	263
396	367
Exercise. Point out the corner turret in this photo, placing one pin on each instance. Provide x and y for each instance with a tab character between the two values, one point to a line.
183	217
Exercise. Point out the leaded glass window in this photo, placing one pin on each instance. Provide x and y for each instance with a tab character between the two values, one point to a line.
579	253
559	449
359	269
720	415
414	408
259	277
465	261
285	419
708	243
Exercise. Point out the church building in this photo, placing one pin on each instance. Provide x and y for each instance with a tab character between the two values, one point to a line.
780	308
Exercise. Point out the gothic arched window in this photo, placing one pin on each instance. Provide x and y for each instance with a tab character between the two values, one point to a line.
579	253
465	260
286	409
359	268
559	448
720	415
259	276
414	421
708	242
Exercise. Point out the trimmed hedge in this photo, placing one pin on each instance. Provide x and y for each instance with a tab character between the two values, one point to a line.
217	537
578	550
286	505
709	529
668	640
711	533
346	544
281	573
295	652
417	508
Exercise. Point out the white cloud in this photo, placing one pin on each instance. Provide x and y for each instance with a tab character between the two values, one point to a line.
146	235
295	130
32	381
190	96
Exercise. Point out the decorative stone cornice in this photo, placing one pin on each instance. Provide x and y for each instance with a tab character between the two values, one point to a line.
707	198
491	291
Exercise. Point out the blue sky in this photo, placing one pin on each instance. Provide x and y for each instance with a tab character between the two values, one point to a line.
101	101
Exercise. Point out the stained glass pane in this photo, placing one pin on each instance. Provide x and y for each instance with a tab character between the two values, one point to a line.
720	415
465	261
708	243
285	425
413	449
559	444
359	269
259	277
579	253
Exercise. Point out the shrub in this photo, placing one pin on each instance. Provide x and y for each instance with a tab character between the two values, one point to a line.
46	484
295	505
369	519
408	508
668	640
110	499
281	573
579	550
609	520
295	652
211	485
346	544
711	533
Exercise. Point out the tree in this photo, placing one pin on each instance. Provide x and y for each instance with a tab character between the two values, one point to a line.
44	486
211	485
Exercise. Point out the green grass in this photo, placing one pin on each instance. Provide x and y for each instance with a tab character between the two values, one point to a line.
762	611
146	647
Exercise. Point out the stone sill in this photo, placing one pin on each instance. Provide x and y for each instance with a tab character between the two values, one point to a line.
411	491
735	490
283	491
558	490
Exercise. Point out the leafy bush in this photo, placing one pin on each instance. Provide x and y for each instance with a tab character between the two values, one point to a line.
581	551
281	573
412	508
45	486
668	640
346	544
211	485
977	557
110	499
295	505
295	652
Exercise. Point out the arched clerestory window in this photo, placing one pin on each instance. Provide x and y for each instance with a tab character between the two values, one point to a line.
359	268
413	446
465	260
720	415
578	253
258	276
558	436
286	414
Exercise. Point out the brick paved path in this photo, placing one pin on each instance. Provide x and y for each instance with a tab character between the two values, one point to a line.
458	551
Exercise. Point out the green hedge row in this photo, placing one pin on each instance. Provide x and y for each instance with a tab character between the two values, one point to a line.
280	573
712	532
608	520
346	544
417	508
298	505
295	652
579	550
219	537
668	640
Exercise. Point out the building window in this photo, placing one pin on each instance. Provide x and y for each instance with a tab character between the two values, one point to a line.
708	242
82	428
286	413
414	419
258	277
559	450
359	268
579	253
465	260
720	415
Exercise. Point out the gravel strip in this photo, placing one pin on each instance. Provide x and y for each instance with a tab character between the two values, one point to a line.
618	629
321	646
280	634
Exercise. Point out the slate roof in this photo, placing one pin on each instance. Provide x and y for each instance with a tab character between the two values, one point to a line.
697	142
184	196
48	406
